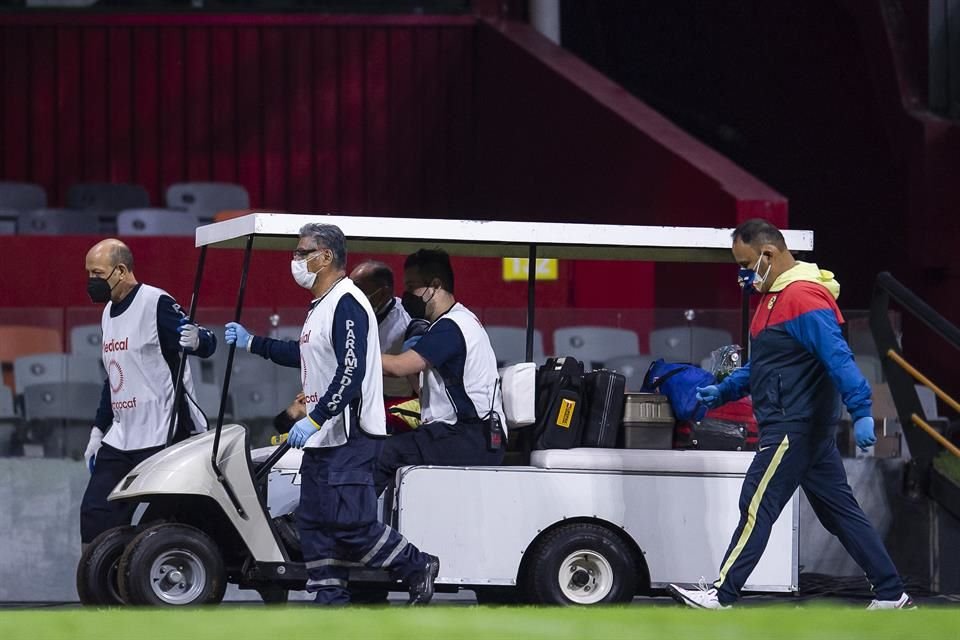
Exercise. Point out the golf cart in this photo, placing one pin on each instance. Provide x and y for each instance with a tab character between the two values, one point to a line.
579	526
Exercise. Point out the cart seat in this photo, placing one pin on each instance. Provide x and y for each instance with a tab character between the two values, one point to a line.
643	460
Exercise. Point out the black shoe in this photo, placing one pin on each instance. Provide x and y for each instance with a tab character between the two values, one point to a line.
421	582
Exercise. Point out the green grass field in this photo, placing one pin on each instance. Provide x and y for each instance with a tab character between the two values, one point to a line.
455	623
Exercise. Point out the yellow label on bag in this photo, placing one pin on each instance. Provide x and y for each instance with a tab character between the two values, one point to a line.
565	414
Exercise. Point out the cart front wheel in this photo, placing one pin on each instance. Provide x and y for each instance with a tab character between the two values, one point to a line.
172	564
97	570
581	564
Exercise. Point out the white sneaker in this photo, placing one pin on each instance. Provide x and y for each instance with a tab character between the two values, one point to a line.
903	602
703	597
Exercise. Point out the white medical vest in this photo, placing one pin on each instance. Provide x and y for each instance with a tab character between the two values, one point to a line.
480	374
318	362
141	383
391	331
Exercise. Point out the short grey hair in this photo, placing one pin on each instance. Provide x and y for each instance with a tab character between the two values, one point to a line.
328	236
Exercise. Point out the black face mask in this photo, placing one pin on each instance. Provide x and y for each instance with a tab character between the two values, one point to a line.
414	305
99	289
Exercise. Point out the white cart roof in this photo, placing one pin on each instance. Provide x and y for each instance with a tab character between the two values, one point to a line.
491	238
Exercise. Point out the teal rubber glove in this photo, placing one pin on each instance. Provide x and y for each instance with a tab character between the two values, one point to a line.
864	433
236	333
709	396
300	432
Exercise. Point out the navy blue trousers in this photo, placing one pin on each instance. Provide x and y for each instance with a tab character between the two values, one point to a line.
460	444
97	514
337	520
784	462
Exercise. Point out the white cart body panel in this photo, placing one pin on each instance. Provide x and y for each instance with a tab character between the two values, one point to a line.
680	507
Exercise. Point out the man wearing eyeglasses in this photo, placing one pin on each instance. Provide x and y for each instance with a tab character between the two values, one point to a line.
343	431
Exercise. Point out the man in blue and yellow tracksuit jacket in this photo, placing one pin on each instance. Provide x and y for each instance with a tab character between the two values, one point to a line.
800	368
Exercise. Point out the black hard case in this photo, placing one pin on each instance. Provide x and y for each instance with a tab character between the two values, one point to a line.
604	391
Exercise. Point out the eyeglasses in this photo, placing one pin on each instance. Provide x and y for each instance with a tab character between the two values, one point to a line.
303	254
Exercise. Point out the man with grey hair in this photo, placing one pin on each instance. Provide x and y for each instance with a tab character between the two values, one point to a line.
342	433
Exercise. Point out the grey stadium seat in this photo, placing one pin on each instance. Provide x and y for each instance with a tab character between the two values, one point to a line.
58	222
107	196
156	222
254	401
86	340
510	344
595	345
634	368
62	401
8	221
205	199
687	344
22	196
42	368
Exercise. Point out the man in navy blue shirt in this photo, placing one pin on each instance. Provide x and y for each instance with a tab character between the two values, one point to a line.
145	333
338	354
459	399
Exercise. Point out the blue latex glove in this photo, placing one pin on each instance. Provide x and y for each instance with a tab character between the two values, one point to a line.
302	430
709	396
189	335
864	433
235	332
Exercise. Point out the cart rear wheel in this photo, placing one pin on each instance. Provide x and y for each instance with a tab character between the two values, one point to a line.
97	570
581	564
172	564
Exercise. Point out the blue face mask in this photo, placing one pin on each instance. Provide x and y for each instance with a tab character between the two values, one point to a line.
747	278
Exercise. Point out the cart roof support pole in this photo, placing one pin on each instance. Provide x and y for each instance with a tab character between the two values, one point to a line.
226	380
531	295
181	368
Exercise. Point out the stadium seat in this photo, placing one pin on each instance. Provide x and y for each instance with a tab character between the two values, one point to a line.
86	340
205	199
255	401
59	414
156	222
58	222
16	341
39	368
8	221
634	368
595	345
687	343
107	196
22	196
510	344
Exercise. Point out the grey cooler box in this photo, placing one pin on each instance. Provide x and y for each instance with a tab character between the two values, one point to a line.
647	421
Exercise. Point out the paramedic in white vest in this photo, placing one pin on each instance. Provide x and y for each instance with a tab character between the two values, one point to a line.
339	357
145	334
459	393
394	325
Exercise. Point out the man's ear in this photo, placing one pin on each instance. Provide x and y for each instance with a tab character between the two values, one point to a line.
770	251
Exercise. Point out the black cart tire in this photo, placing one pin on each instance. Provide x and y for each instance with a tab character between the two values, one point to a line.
97	569
172	565
581	564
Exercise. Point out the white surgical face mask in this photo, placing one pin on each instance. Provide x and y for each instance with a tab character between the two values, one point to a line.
758	280
301	274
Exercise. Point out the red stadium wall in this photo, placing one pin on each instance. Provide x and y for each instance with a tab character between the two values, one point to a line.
430	116
370	114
